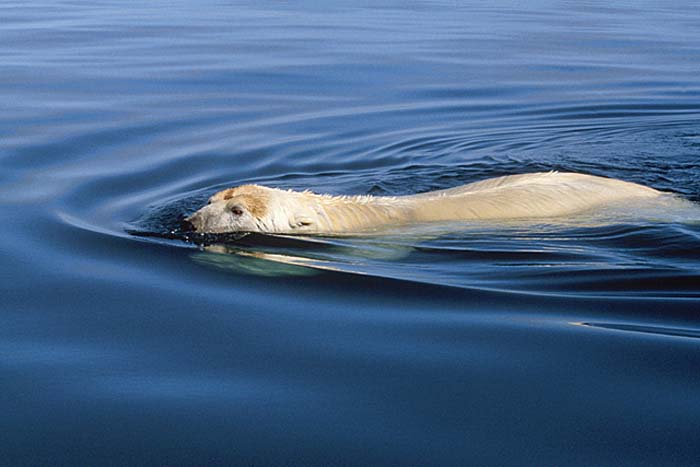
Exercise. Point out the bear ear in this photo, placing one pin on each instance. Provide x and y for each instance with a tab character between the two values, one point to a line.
300	221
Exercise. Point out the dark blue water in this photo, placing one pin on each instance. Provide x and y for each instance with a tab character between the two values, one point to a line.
569	342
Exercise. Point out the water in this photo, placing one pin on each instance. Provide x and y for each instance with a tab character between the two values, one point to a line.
556	343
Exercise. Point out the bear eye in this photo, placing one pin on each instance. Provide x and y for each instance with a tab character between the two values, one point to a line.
237	210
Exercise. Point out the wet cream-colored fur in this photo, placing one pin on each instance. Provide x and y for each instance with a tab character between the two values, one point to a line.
253	208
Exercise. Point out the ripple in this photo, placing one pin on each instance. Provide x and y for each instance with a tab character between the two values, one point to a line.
645	329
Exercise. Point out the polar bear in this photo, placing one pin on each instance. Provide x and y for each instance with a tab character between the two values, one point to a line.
254	208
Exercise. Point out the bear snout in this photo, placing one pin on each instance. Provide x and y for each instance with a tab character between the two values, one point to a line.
186	225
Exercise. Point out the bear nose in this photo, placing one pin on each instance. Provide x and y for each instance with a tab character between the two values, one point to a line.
186	225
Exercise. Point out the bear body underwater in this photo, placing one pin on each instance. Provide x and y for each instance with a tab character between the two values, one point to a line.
253	208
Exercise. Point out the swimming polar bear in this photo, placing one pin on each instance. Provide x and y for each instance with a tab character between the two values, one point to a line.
254	208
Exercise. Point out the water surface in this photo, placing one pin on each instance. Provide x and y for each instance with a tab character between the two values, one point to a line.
562	342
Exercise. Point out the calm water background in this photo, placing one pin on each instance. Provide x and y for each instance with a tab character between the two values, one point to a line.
544	344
